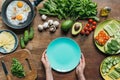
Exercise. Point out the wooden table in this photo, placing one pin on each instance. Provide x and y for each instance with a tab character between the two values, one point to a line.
92	55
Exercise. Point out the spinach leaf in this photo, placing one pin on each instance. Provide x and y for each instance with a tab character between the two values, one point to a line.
73	9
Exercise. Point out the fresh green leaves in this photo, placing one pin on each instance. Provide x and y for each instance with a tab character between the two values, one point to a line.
73	9
112	46
17	68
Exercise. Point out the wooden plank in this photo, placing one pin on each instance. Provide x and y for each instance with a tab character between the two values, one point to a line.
21	56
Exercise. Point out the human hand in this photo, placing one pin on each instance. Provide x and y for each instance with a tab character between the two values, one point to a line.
80	69
45	61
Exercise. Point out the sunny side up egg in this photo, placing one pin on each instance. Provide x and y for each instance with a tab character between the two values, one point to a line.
17	12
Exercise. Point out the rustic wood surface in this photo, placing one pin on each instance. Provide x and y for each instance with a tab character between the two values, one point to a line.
92	55
21	55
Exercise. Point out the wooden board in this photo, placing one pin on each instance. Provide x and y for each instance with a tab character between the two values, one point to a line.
21	55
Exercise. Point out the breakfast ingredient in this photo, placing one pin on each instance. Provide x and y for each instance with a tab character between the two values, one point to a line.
22	43
102	38
45	25
20	4
114	75
76	28
112	46
72	9
19	17
66	25
109	30
17	12
17	68
112	28
40	27
109	65
7	41
31	33
44	17
52	29
105	11
56	24
89	27
26	36
90	21
50	24
117	67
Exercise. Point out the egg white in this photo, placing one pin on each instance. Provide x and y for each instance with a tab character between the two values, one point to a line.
13	10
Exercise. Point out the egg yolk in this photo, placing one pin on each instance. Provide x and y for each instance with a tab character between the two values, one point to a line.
20	4
19	17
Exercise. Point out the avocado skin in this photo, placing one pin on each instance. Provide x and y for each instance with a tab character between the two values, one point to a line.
74	32
66	25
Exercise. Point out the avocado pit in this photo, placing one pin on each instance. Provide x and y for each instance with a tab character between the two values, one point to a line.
76	28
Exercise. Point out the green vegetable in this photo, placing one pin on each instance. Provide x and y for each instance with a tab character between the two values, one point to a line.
117	67
112	46
17	68
114	75
31	33
108	63
66	25
22	44
26	36
76	28
73	9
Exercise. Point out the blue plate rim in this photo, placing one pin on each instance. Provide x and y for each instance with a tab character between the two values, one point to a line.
16	41
68	70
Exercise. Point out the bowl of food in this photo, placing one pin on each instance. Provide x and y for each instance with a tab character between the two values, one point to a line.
18	14
8	41
110	68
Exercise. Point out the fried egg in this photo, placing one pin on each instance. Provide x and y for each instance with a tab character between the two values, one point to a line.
17	12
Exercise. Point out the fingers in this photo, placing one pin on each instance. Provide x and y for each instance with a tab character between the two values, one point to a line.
82	58
46	58
43	57
83	61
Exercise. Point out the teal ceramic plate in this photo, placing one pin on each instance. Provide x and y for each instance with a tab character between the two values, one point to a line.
2	50
63	54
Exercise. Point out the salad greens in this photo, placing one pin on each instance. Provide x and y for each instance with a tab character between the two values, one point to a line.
112	46
73	9
17	68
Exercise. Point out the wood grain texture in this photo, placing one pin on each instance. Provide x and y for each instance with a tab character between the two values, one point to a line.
92	55
21	56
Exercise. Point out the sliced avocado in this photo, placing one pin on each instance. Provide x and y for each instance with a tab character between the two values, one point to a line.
76	28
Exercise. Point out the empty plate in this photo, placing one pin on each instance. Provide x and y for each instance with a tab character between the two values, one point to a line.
63	54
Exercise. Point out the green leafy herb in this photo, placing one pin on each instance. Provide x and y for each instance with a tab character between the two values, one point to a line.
112	47
73	9
17	68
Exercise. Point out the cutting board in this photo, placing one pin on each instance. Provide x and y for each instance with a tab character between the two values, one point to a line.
21	55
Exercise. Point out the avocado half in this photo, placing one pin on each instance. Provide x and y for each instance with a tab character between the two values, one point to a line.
76	28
